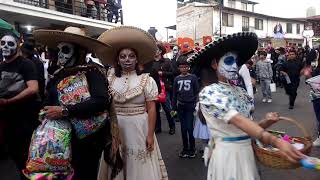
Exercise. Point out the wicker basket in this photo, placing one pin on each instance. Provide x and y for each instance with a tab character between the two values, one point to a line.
274	159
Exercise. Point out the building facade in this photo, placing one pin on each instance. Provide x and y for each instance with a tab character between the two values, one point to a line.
196	20
94	16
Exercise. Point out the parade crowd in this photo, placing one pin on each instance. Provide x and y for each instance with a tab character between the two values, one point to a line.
74	107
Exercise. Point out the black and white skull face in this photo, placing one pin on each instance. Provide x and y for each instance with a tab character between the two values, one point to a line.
8	46
66	53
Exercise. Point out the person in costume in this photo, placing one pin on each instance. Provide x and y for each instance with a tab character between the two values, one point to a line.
226	109
78	92
134	95
19	100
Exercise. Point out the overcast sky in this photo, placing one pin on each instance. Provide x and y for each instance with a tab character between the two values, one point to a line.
162	13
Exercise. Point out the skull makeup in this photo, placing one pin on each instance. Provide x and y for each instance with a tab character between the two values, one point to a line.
8	46
175	50
66	54
127	59
228	67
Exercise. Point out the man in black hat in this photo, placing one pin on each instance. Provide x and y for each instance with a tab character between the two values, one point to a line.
28	51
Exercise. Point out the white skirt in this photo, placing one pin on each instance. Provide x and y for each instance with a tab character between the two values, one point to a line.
139	163
232	161
200	130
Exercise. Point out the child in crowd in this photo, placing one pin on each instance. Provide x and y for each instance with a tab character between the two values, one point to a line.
185	94
264	74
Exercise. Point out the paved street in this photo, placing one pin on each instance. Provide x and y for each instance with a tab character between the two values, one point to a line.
193	169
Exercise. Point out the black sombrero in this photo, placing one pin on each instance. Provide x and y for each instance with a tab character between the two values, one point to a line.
244	44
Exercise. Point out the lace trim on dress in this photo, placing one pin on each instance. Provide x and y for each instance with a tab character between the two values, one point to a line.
123	97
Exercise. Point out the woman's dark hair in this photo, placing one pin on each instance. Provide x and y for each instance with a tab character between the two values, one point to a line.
118	69
262	53
205	74
293	51
162	48
182	60
249	62
281	50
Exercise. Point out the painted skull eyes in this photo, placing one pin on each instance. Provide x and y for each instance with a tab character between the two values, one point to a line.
229	60
10	43
65	50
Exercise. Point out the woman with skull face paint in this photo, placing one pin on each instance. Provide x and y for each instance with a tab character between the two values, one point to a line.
134	96
78	92
19	105
226	109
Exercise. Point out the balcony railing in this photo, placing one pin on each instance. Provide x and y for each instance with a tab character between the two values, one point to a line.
245	28
98	9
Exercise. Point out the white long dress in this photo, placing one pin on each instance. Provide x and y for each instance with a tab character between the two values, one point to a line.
130	93
229	160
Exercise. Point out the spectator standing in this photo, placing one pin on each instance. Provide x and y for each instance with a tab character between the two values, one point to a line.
292	69
310	55
185	93
28	51
164	68
264	74
281	60
245	74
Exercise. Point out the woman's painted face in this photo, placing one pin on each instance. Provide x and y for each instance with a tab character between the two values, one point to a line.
228	67
127	60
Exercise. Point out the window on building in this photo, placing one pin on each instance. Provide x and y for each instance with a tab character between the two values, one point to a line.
244	6
258	24
232	3
227	19
298	28
289	28
245	23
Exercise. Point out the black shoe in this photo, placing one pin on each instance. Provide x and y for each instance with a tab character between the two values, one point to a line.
192	154
157	131
290	107
172	131
183	154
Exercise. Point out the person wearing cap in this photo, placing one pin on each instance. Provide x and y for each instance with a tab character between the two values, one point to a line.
227	108
78	93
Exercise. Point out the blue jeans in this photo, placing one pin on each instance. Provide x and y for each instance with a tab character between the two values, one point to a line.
265	87
185	113
316	107
166	106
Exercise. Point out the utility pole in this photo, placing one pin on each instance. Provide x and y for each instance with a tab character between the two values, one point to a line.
220	16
